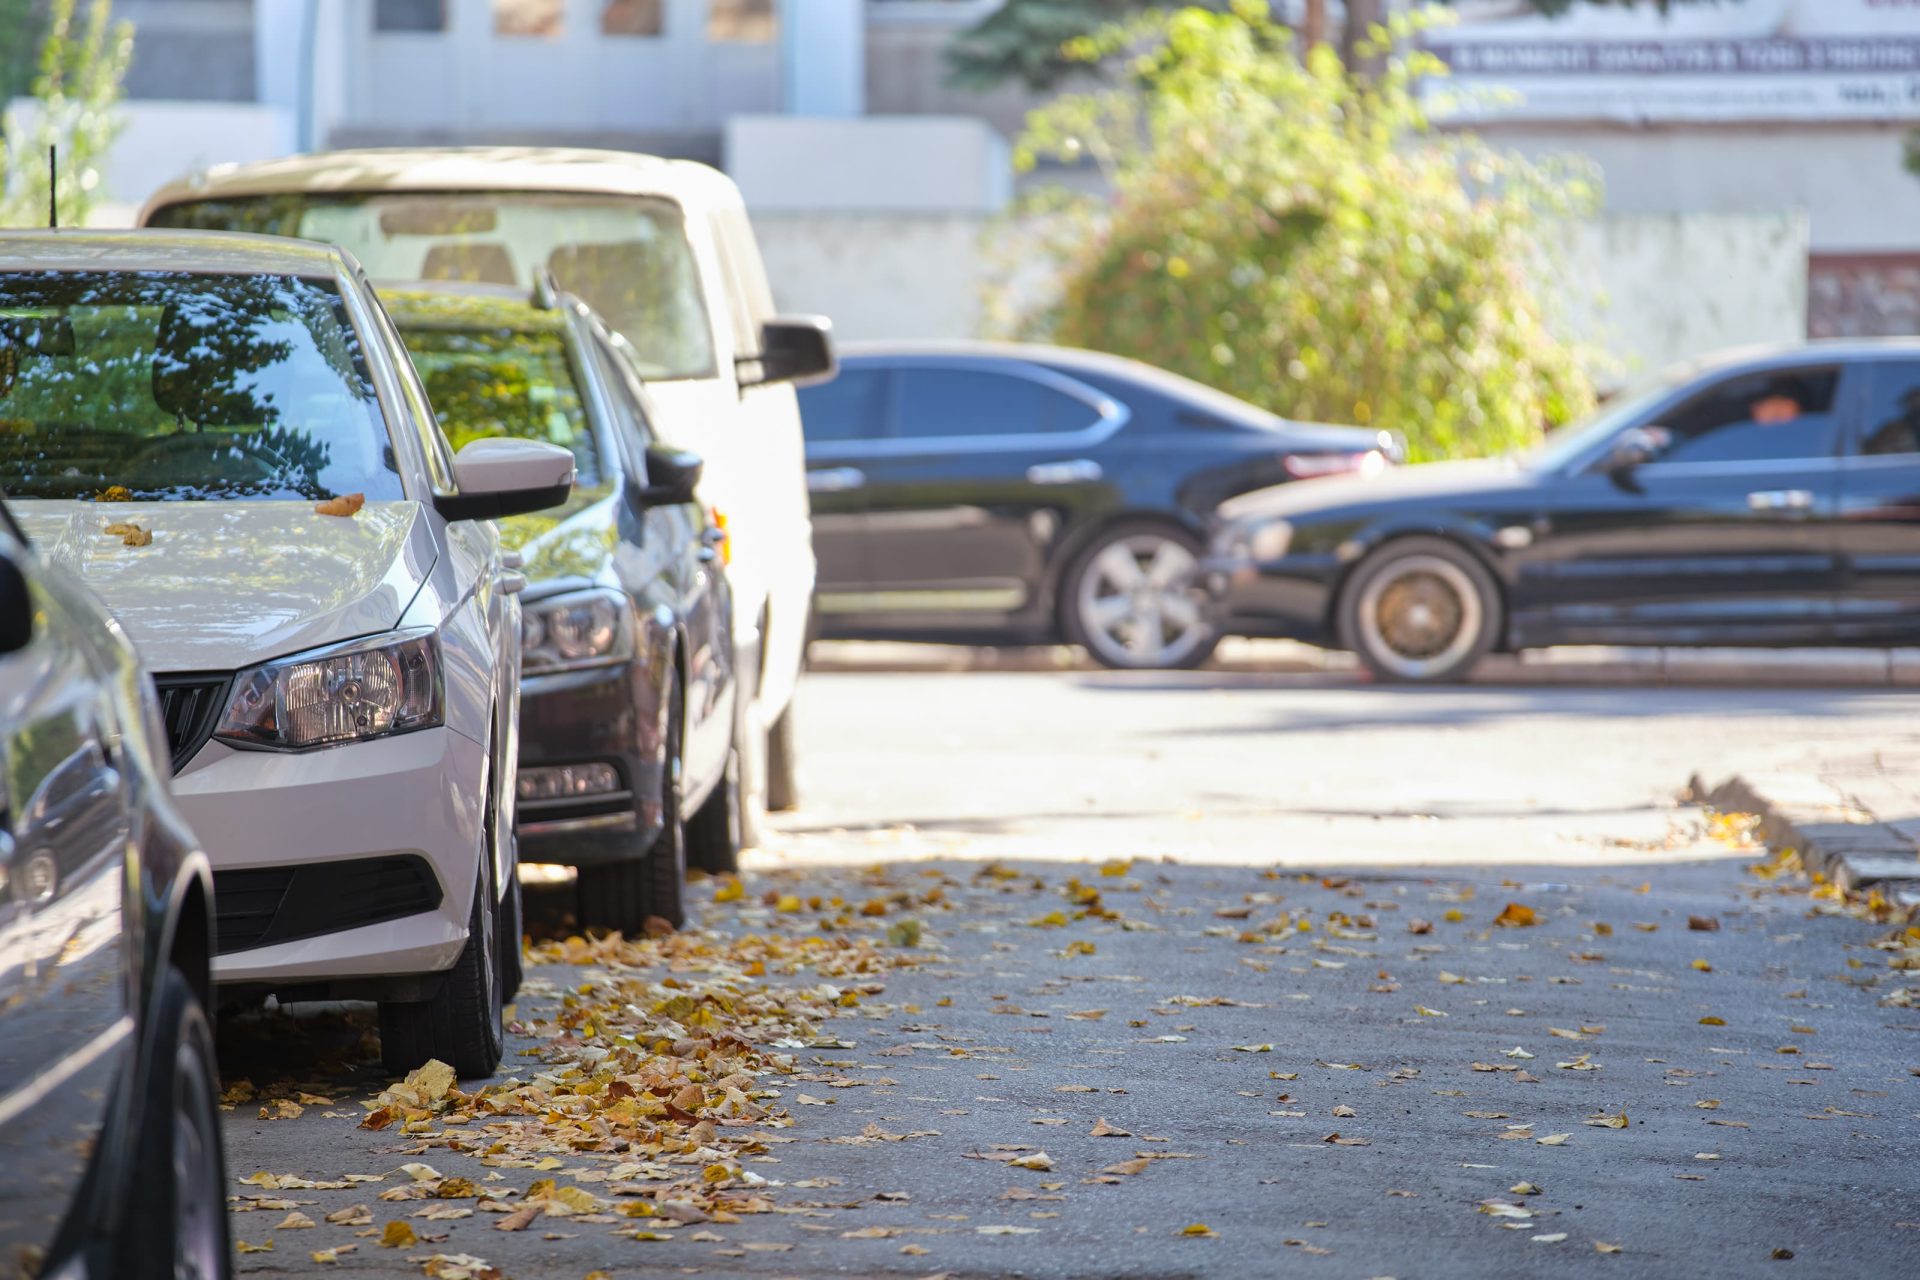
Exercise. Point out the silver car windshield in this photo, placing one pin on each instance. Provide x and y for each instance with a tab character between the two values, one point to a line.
169	385
627	257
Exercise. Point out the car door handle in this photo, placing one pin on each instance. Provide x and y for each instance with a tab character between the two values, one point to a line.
836	480
1781	500
1077	471
512	583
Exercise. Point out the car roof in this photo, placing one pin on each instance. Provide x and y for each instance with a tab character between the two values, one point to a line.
204	252
1760	355
405	169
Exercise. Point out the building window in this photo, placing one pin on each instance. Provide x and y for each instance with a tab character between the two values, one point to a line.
410	15
740	20
529	17
632	18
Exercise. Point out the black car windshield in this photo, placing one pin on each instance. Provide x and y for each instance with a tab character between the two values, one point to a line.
165	385
504	381
1567	444
627	257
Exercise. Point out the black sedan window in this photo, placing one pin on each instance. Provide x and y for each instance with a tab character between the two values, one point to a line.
851	407
940	403
1751	417
1893	412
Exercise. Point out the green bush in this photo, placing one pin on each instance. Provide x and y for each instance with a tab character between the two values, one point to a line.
1299	236
82	65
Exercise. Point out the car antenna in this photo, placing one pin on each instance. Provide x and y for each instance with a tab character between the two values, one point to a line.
53	187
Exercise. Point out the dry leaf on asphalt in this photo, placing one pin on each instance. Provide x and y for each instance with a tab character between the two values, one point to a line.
1101	1129
1516	915
345	505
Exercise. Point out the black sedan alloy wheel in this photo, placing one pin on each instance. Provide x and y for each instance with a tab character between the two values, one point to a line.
1133	599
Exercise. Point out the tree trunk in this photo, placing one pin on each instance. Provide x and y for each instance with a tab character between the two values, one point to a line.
1313	25
1362	15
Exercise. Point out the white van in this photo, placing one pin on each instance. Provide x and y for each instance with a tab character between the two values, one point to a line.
663	250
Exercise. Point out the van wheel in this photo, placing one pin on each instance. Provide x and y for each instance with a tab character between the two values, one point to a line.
623	896
177	1224
461	1024
713	833
1421	610
783	761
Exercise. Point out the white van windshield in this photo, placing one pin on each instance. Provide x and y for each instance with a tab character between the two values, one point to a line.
625	256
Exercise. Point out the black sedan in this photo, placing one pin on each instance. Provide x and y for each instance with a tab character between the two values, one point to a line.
977	493
628	759
110	1159
1764	497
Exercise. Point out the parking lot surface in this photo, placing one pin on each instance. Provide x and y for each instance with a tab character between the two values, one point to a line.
1083	975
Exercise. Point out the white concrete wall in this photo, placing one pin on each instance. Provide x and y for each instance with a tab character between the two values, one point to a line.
1647	290
891	164
161	141
1858	196
1652	289
877	275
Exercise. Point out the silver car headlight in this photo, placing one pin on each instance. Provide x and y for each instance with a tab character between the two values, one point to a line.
579	629
1270	541
345	693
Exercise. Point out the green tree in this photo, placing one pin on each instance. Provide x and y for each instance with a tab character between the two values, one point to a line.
82	66
1295	234
21	24
1024	39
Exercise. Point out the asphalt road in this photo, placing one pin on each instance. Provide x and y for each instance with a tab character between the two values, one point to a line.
1294	938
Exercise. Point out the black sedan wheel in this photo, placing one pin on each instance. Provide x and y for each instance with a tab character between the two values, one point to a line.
1133	599
1421	609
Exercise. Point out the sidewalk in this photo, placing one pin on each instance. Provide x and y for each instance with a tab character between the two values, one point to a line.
1854	818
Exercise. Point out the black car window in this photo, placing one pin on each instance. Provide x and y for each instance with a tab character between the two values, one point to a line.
940	403
506	382
1754	417
1892	422
853	406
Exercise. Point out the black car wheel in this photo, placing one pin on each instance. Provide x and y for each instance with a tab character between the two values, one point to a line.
512	963
624	896
178	1226
713	833
461	1024
1421	609
1133	599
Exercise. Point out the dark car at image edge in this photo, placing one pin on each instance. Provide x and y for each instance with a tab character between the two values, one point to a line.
983	493
110	1148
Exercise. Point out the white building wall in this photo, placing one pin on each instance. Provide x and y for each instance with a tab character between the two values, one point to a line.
1849	179
1645	290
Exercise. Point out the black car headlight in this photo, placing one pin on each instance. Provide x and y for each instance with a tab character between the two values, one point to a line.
344	693
579	629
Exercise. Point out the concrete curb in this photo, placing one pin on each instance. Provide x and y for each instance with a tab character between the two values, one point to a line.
1576	665
1834	836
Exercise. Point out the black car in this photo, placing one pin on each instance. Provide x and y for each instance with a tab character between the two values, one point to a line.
628	757
110	1158
977	493
1766	497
